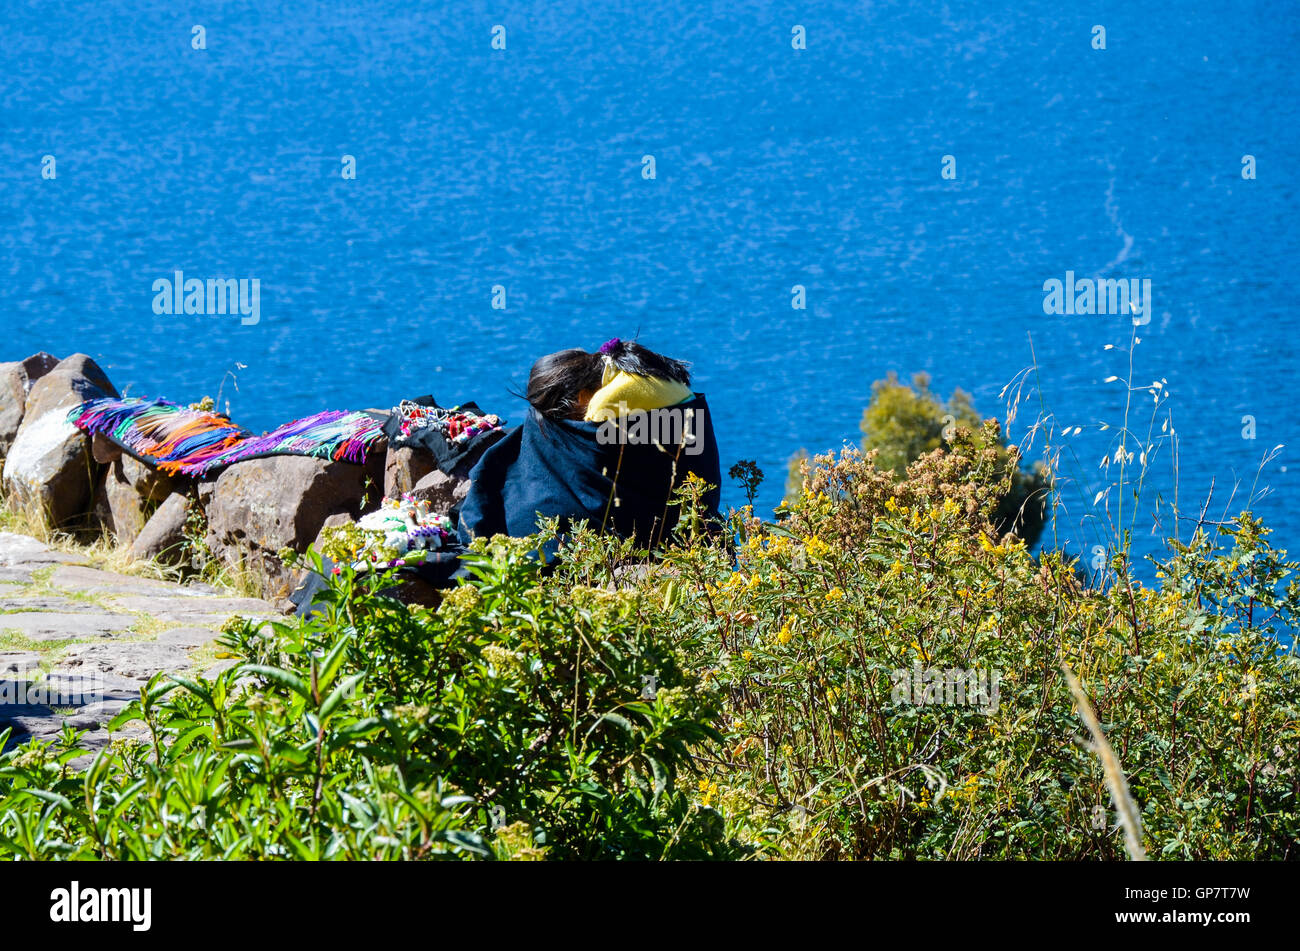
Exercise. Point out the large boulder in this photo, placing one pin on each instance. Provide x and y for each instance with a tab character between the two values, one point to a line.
257	508
404	467
16	381
445	491
163	536
128	493
49	466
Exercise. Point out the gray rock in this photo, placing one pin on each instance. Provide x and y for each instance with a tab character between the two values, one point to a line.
128	495
94	581
139	660
86	686
200	612
187	637
23	550
103	450
16	381
261	506
93	716
59	626
19	662
163	536
403	468
43	602
445	491
49	467
220	666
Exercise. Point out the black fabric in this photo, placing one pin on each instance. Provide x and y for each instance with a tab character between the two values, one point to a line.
560	468
430	438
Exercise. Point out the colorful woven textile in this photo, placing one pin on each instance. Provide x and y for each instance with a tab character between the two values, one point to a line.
333	434
162	434
190	442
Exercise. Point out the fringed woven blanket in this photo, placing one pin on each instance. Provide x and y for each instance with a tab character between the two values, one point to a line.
183	441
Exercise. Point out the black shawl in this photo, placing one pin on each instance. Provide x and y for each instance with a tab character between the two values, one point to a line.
572	470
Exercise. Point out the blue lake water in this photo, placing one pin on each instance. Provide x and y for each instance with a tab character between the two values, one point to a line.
774	167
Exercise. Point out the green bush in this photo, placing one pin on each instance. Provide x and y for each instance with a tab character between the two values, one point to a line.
777	690
870	575
518	719
903	423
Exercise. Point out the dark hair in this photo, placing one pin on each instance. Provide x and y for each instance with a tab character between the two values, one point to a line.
557	378
631	357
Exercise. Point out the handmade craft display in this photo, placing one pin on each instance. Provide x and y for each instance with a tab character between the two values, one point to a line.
447	432
401	533
182	441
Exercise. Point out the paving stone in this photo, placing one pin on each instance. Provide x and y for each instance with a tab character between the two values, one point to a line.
19	662
138	660
65	626
95	715
203	609
97	581
94	681
32	720
185	637
24	550
45	602
222	665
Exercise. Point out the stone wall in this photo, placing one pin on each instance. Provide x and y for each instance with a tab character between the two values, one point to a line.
246	514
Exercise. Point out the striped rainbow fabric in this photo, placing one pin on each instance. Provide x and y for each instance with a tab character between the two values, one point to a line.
183	441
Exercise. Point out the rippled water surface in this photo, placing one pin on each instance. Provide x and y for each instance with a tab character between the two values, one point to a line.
775	167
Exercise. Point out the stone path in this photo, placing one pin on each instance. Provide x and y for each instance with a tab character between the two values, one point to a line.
77	643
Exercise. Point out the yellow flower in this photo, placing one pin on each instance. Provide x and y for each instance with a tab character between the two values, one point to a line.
748	655
835	594
709	790
896	569
784	635
815	547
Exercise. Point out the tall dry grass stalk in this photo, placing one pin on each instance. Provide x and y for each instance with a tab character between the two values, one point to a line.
1129	815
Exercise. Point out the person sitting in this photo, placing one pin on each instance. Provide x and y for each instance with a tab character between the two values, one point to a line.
607	439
